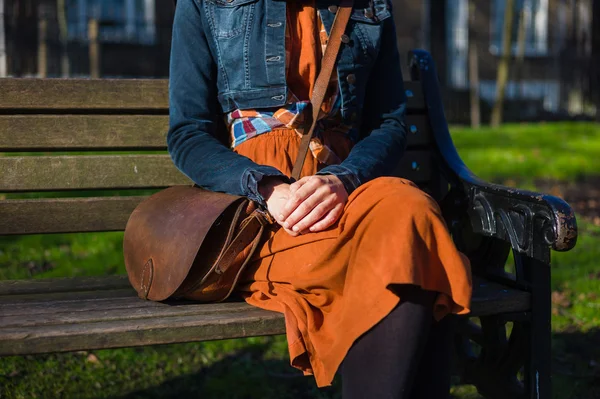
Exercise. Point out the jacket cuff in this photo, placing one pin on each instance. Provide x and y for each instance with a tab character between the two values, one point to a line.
252	176
349	179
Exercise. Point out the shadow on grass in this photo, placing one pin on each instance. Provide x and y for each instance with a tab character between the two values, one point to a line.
250	373
576	364
246	374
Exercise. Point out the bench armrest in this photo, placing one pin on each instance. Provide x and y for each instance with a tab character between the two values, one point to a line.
531	222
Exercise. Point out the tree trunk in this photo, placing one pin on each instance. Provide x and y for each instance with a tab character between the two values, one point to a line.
521	42
503	65
3	51
94	49
43	47
595	64
63	36
473	68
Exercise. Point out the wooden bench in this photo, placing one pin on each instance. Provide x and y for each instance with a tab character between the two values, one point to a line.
95	116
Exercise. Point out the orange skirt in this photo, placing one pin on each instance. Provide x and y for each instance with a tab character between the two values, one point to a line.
333	286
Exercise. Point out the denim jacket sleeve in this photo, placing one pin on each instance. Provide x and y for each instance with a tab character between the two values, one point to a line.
193	140
378	153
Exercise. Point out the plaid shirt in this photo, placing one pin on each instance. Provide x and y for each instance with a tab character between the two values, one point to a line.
245	124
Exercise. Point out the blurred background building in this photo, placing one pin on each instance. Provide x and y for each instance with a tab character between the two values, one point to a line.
553	65
52	38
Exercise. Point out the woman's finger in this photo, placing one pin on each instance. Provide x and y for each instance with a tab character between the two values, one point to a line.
317	213
304	209
329	220
304	192
291	232
296	185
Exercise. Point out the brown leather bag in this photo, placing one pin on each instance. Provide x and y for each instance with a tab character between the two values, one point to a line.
187	242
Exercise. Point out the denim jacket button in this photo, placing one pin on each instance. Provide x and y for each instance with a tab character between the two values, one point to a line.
351	79
345	39
332	9
369	14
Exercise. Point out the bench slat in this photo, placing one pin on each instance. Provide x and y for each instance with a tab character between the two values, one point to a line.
416	166
32	300
45	286
71	302
148	331
127	298
70	215
83	132
115	95
419	131
66	215
97	321
118	132
415	100
52	173
124	310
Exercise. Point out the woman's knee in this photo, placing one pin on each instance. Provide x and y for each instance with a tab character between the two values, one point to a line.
400	193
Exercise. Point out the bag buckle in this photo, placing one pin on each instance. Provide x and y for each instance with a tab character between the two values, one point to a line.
264	217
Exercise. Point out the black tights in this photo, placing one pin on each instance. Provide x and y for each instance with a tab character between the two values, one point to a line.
405	356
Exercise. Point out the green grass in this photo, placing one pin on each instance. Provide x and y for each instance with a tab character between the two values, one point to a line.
61	255
526	152
576	317
233	368
222	369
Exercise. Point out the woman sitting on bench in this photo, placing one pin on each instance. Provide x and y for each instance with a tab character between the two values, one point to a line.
361	265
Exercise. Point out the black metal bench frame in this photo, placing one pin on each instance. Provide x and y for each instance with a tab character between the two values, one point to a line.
503	347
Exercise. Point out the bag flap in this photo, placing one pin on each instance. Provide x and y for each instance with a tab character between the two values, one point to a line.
165	232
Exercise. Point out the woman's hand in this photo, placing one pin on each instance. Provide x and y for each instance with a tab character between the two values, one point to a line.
315	203
276	193
311	204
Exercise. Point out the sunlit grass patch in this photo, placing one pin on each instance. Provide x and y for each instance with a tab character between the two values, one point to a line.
526	152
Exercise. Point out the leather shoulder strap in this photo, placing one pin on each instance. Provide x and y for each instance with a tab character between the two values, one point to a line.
327	66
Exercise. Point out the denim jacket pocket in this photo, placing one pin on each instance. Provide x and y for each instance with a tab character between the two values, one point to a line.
229	18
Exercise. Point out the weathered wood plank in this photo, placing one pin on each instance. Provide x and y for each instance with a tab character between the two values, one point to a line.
147	331
46	286
83	132
62	302
47	173
487	300
65	215
118	132
419	131
105	323
416	166
131	310
135	309
20	301
117	95
130	301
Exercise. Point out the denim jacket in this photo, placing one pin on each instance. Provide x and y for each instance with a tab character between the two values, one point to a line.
230	54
